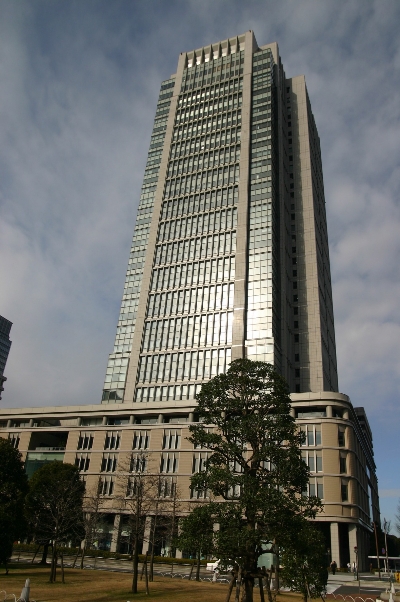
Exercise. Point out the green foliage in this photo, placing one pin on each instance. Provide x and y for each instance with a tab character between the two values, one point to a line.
305	563
255	464
196	532
13	487
54	503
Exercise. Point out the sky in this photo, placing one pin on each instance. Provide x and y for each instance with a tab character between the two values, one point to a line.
79	83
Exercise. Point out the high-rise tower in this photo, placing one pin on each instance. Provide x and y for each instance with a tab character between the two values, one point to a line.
5	345
230	254
229	259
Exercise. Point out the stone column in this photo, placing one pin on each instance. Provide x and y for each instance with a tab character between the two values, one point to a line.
335	547
147	534
353	542
115	533
329	412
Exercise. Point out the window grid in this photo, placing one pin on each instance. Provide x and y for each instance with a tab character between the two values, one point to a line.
106	486
109	462
171	439
138	463
313	460
200	273
169	462
313	435
113	440
191	300
82	462
14	439
194	365
141	440
85	440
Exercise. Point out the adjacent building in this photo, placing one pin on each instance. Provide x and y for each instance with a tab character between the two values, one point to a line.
229	259
5	345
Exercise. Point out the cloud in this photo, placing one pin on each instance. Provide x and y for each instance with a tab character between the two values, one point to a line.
79	89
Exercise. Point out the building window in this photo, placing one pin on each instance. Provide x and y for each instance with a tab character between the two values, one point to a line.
297	372
113	440
198	462
313	460
109	462
141	440
106	485
82	462
169	462
138	463
316	488
14	439
343	464
171	439
341	436
167	487
313	435
85	441
344	489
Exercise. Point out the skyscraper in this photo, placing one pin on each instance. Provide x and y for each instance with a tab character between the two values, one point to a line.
230	253
5	345
229	259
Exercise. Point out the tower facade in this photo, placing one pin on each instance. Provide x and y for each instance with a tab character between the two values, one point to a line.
5	345
230	253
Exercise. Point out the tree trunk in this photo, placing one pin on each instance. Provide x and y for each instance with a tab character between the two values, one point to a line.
198	567
83	556
151	577
268	584
146	576
144	567
261	586
35	554
75	559
135	565
6	566
238	584
45	552
62	567
248	588
53	566
231	586
191	571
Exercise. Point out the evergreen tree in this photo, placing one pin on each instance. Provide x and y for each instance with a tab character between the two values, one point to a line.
54	506
13	488
255	467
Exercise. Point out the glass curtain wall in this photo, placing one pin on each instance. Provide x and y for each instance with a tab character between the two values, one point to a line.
188	329
117	367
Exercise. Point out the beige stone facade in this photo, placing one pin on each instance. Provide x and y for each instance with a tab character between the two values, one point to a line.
338	450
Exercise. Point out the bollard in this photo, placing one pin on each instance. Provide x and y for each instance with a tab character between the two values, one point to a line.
26	590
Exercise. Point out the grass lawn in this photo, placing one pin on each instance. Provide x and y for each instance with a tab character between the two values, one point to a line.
101	586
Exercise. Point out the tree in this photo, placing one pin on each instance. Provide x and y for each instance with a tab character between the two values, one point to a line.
54	506
305	562
93	516
398	518
137	492
197	534
13	488
255	466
